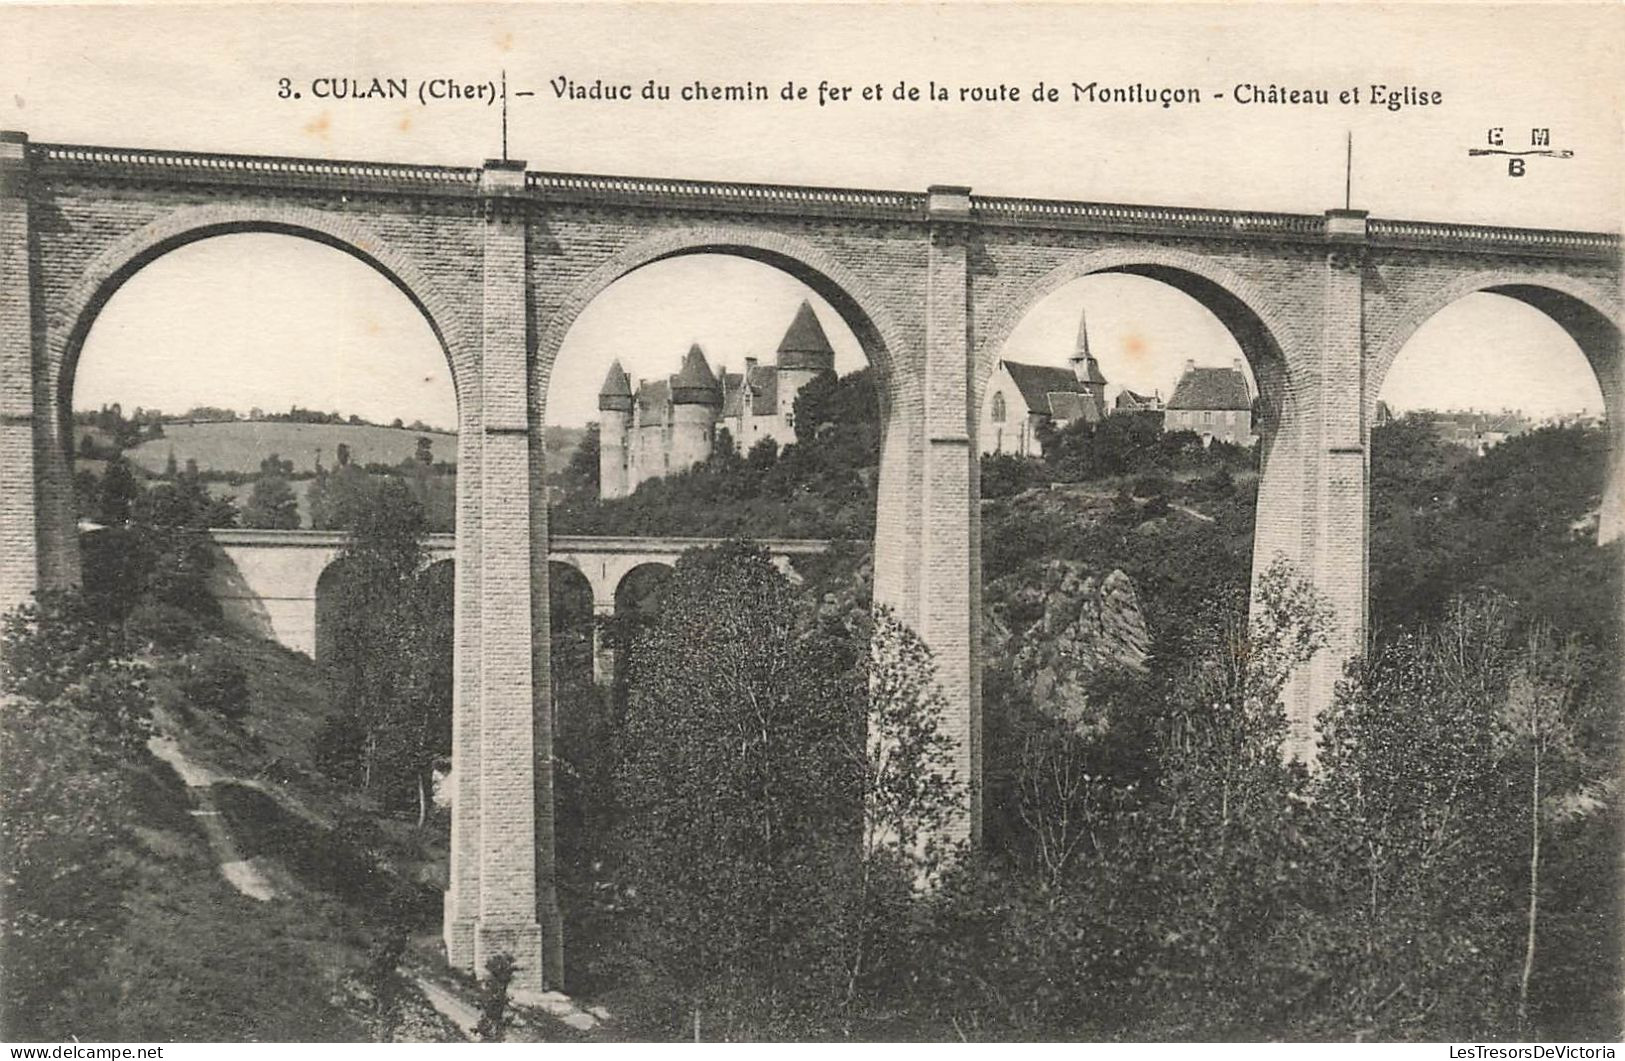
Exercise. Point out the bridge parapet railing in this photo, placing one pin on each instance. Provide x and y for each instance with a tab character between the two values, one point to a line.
275	170
1120	217
1543	242
727	195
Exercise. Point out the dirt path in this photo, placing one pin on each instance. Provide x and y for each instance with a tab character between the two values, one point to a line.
239	872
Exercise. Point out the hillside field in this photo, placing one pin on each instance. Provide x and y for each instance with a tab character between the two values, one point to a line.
239	446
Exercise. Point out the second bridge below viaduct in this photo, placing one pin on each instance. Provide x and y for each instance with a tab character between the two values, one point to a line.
272	581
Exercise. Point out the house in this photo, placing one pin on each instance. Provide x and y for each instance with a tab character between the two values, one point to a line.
1216	403
1131	402
1021	397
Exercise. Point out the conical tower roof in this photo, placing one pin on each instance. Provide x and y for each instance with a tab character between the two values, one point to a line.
805	346
1084	365
694	383
616	393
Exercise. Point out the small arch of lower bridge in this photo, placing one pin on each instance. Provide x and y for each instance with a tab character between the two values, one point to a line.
606	563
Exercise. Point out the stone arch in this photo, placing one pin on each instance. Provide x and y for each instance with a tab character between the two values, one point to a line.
864	309
323	605
69	319
1590	316
640	567
860	306
1241	306
568	561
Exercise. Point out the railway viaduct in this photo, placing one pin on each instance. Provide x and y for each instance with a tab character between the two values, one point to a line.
500	260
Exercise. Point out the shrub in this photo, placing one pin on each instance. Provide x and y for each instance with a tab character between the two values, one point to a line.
216	682
157	625
1005	474
52	642
1152	486
494	999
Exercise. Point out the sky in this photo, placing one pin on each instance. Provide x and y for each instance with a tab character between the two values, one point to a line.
208	79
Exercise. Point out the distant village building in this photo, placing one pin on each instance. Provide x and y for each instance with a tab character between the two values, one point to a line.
1021	397
1479	432
1216	403
1130	402
669	425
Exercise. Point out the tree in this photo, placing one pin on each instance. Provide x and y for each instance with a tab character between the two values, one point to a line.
390	666
272	505
425	450
1416	856
74	728
1539	729
745	772
119	490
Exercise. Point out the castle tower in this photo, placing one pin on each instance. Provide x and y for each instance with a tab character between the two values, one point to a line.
1087	369
804	353
696	402
614	425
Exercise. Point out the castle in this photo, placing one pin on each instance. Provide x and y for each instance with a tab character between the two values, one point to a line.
669	425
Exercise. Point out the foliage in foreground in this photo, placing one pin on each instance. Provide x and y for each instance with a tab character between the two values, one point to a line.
760	900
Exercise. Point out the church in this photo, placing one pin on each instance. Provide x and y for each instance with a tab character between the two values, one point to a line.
1213	402
665	426
1020	397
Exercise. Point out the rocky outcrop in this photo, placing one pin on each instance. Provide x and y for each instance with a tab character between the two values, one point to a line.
1057	631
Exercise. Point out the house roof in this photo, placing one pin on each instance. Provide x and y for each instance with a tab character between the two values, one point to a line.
653	395
1128	397
1211	388
804	344
1038	382
731	403
764	385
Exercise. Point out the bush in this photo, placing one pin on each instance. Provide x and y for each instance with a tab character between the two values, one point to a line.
215	682
1152	486
52	643
158	625
494	1018
1005	474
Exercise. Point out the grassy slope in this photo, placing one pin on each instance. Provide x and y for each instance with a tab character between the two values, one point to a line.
199	961
240	446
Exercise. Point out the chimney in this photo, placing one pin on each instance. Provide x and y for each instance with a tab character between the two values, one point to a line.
1190	364
1236	364
750	366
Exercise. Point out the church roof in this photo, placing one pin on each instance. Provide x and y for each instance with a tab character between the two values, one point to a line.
1070	405
1038	382
804	344
694	382
1211	388
616	393
1091	372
